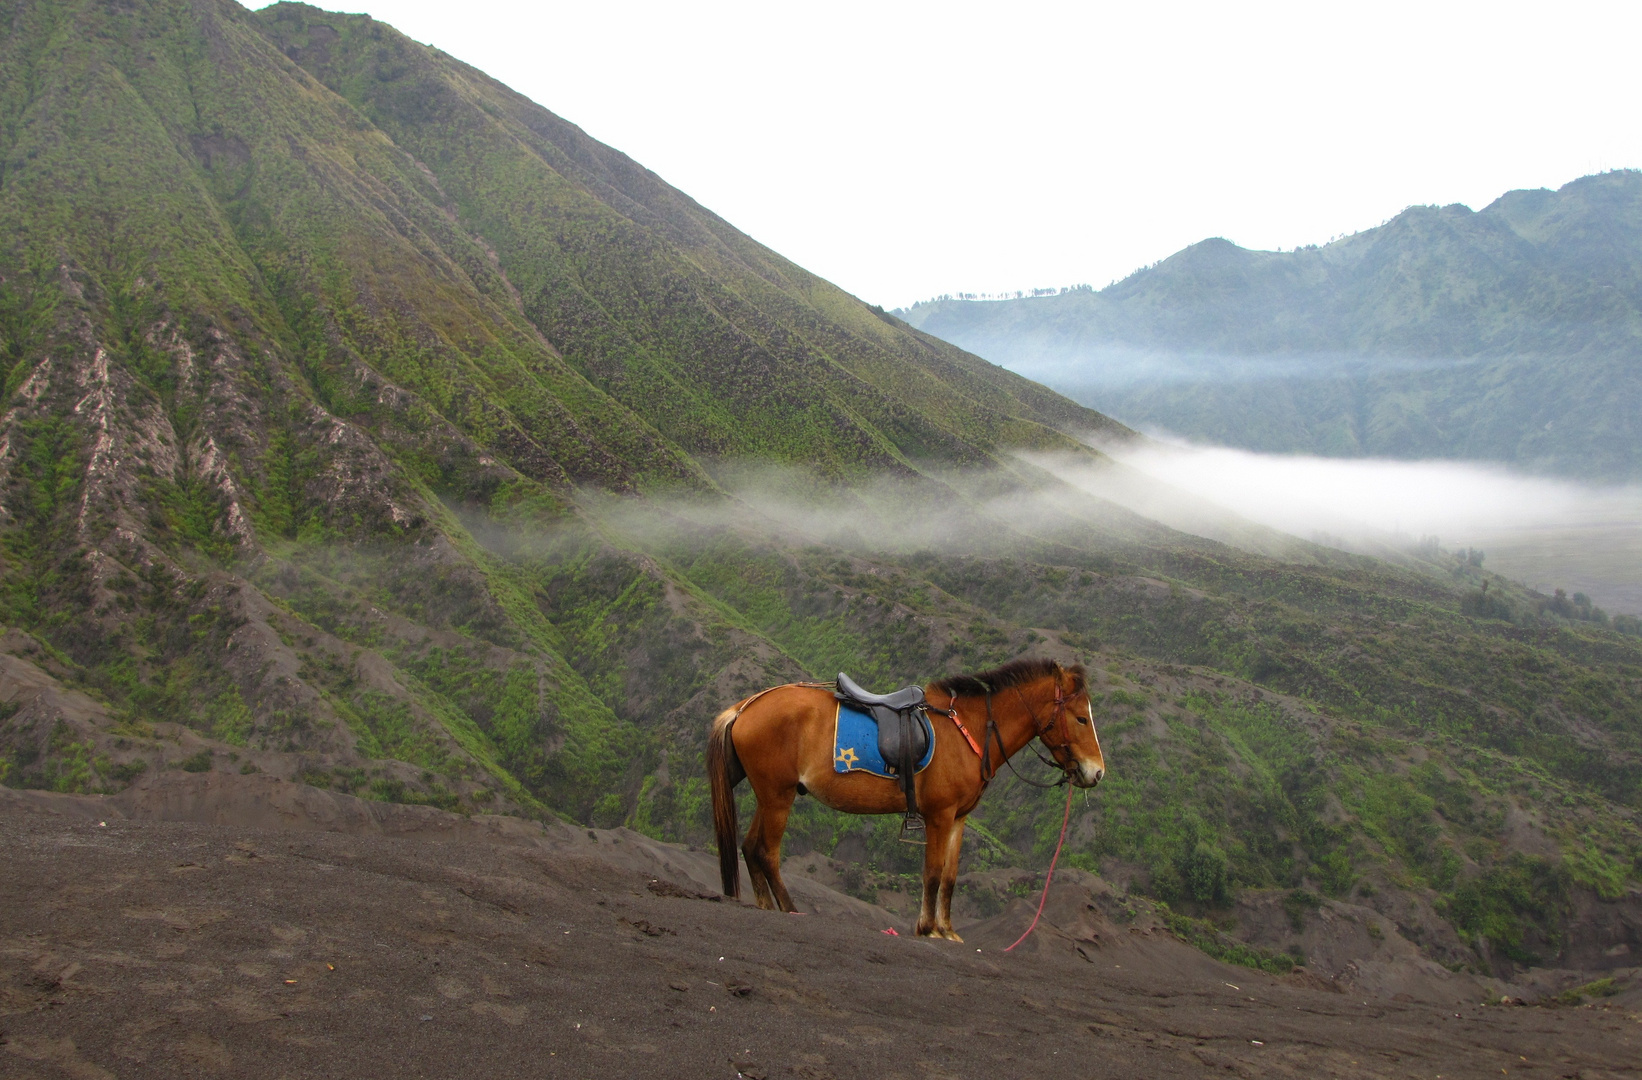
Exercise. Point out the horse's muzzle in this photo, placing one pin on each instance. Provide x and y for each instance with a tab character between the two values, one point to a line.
1087	776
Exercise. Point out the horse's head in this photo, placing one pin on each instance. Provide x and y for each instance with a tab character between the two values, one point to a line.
1070	732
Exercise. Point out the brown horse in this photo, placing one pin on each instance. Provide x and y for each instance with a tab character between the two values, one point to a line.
782	740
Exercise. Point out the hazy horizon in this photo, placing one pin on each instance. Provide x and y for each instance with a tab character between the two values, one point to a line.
917	149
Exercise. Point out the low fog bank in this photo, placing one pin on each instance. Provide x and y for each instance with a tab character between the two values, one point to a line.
1033	506
1543	532
991	512
1079	370
1547	533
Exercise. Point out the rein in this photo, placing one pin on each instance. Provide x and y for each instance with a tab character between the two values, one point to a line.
1050	876
1056	721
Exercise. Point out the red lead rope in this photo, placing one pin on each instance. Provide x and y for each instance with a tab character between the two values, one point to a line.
1065	817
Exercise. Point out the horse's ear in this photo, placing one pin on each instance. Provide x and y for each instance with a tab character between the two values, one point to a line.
1080	678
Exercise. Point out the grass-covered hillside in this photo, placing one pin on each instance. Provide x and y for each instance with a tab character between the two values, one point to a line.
1509	334
265	338
368	425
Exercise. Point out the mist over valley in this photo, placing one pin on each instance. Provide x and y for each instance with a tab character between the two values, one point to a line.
1546	532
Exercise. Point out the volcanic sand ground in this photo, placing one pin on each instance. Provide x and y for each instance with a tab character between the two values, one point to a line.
417	944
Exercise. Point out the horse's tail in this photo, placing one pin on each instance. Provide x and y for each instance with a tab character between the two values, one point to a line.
724	772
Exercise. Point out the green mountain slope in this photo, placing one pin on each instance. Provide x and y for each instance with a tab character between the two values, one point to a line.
367	425
722	345
269	360
1511	334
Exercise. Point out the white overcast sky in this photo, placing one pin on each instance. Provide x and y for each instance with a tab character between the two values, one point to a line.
909	149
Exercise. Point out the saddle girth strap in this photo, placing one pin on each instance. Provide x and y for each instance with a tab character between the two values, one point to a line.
910	768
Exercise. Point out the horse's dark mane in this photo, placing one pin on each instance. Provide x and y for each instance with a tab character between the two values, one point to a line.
1014	673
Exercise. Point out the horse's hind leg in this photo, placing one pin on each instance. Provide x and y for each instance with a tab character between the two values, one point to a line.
763	847
750	848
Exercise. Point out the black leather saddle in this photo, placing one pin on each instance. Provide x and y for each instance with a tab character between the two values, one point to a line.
904	733
905	698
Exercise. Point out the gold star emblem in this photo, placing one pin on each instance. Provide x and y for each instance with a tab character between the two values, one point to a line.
846	757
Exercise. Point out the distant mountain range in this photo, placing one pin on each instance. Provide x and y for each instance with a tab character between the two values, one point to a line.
1510	334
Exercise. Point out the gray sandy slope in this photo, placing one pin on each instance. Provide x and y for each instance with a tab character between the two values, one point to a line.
248	927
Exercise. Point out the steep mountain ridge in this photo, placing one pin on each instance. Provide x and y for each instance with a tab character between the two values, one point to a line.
367	425
720	343
288	340
1508	334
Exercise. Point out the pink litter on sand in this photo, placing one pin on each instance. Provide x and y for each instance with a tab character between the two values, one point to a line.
892	932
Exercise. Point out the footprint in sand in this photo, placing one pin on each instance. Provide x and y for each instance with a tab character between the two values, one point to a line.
451	988
513	1015
59	1052
202	1051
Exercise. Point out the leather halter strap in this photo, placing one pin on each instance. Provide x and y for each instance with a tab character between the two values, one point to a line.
1057	721
1056	725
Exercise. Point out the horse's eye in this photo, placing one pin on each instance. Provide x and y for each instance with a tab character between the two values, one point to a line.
1083	719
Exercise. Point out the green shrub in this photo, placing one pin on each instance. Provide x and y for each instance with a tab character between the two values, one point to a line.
1205	936
1510	901
1596	988
1133	700
1297	903
127	771
1588	865
1206	876
397	791
1480	604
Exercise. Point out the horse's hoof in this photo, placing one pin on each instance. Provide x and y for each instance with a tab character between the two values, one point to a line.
952	935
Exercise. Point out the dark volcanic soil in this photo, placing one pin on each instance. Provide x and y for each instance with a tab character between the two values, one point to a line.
419	944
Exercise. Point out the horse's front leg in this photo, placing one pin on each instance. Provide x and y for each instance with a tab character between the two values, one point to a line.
949	881
937	832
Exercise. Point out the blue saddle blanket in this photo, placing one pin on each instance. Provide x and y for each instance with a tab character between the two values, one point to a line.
855	745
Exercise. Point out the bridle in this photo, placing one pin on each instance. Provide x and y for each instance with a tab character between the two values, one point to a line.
1057	725
1060	747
